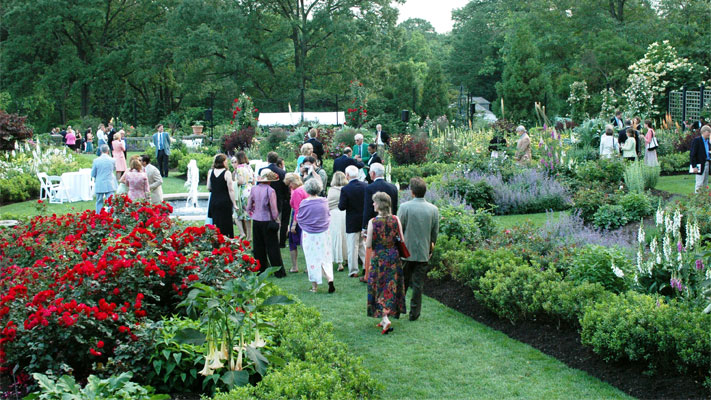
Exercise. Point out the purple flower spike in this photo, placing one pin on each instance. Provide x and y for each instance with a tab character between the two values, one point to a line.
699	265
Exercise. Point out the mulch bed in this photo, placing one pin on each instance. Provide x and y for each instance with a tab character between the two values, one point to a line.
563	343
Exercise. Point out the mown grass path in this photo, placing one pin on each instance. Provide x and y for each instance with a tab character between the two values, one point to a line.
445	354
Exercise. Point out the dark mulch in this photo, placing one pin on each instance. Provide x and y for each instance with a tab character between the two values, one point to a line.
564	344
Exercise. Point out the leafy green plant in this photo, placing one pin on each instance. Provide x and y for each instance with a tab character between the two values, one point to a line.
607	172
461	223
587	201
641	327
608	266
639	177
204	162
112	388
230	316
479	194
610	217
674	163
636	205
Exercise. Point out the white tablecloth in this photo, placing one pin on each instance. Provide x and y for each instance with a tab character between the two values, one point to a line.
76	186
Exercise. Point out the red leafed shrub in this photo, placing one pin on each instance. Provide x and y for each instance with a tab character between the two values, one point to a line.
408	149
682	144
74	287
12	129
238	140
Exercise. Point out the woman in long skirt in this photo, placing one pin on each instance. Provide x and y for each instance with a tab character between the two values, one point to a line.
337	227
386	280
243	180
222	196
650	156
314	219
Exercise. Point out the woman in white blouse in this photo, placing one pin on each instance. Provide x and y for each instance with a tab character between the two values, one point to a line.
609	145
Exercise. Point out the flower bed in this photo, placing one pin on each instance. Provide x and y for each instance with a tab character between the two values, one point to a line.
76	286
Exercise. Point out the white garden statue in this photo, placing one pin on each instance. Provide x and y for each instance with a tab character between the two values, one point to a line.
192	183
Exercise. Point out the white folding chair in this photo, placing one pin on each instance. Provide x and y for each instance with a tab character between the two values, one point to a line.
50	186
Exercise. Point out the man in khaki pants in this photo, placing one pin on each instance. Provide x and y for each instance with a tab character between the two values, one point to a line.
420	224
155	181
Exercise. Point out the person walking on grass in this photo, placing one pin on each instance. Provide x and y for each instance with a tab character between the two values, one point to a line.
102	170
314	219
420	224
293	181
699	158
351	201
386	283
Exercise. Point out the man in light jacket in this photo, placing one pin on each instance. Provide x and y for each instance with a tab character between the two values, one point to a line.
420	224
523	146
155	181
103	172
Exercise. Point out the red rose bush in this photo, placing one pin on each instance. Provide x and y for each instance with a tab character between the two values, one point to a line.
74	287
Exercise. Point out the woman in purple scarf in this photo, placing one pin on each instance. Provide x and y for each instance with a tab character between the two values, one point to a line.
314	218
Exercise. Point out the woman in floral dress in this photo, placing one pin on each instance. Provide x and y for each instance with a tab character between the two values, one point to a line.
136	180
386	284
243	180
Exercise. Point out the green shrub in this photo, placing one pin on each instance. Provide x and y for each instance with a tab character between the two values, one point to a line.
174	159
641	327
275	136
636	205
461	223
608	266
112	388
674	163
567	300
442	263
608	172
514	290
403	173
19	188
587	201
473	266
317	365
610	217
204	162
639	177
476	194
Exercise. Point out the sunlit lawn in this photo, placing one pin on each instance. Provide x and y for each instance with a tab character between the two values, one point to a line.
677	184
532	220
444	354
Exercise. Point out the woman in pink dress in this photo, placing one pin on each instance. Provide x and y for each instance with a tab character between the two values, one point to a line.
119	151
71	138
137	181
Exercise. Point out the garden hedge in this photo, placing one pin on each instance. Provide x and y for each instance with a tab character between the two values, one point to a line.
318	367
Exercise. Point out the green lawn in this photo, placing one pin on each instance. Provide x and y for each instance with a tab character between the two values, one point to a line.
534	220
28	208
445	354
678	184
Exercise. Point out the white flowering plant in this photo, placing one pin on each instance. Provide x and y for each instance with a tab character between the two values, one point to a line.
672	264
578	100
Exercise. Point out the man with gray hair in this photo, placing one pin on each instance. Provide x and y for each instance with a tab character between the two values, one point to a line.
377	175
523	146
102	170
340	163
360	150
351	201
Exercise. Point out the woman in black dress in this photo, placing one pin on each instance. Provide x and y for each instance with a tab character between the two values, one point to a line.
222	196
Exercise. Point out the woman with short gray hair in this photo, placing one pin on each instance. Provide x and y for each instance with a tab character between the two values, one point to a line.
338	219
314	219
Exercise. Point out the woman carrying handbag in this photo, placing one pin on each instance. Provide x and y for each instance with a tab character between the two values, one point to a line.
650	139
386	282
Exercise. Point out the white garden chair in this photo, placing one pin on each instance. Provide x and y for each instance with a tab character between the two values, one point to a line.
50	186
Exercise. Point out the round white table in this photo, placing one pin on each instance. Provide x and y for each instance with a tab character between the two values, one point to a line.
76	186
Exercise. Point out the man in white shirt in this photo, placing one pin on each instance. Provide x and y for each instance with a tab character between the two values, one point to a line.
101	136
381	138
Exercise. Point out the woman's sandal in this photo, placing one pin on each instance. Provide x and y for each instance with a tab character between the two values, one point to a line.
387	329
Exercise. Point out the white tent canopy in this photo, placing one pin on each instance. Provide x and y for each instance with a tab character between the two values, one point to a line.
293	118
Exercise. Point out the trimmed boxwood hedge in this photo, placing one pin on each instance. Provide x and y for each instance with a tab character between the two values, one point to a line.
318	367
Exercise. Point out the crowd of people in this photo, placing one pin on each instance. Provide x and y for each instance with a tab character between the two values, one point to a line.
137	177
351	221
630	138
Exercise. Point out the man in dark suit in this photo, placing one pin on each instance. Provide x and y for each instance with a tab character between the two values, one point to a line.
351	201
110	131
698	124
283	195
699	158
318	146
381	138
345	160
617	121
374	159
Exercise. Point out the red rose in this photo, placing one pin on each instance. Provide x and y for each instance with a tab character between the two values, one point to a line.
94	352
100	344
193	277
